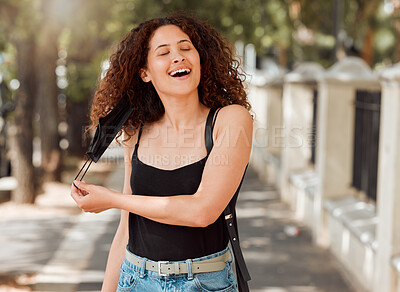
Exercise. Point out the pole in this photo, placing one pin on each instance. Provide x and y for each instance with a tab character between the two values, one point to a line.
337	24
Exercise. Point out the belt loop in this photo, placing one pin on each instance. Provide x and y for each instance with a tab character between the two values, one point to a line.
231	258
189	269
143	268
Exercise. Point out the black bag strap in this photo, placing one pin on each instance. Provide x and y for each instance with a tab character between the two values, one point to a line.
138	138
230	217
241	268
211	118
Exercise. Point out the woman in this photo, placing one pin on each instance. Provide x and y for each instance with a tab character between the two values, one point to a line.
183	165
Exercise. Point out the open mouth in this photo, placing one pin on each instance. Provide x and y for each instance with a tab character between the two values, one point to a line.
180	73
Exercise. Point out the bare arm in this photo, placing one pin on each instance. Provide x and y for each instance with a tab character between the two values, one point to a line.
116	254
120	241
221	177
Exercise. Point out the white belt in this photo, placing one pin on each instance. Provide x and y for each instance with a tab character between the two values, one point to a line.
165	268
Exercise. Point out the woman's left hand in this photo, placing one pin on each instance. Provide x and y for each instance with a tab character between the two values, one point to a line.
92	198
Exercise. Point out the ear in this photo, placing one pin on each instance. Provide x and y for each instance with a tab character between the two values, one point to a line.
143	74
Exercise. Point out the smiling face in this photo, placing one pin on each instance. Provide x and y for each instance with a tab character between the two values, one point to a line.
173	63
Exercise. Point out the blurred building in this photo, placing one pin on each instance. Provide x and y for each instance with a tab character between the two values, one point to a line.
329	140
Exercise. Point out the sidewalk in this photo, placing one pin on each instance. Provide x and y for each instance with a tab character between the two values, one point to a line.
34	238
70	254
278	249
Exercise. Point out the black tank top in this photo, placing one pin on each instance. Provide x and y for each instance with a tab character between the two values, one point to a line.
163	242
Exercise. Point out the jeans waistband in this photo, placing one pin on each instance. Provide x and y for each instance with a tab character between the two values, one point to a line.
210	263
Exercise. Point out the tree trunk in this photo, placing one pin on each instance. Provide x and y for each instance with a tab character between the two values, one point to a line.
368	48
48	102
397	47
282	56
22	130
77	119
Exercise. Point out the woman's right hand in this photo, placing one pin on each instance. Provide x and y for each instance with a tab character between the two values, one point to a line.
77	191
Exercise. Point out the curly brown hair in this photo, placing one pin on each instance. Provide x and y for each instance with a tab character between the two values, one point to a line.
221	82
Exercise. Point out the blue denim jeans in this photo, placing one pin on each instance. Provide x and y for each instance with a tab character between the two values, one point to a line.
133	278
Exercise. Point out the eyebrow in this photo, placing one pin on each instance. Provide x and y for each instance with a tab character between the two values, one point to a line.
166	45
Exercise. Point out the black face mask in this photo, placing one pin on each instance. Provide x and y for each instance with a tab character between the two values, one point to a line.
106	130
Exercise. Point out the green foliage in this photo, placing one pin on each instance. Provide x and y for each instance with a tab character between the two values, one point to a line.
91	27
7	63
83	78
263	23
87	38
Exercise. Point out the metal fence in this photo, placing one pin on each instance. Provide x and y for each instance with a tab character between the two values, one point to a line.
366	142
314	126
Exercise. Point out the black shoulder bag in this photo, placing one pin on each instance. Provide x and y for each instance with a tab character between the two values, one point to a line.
242	272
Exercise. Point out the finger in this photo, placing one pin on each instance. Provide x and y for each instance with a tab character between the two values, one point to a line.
74	186
82	186
84	193
75	195
74	189
96	211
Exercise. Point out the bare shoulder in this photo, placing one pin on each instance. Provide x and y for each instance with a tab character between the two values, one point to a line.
235	120
129	144
234	114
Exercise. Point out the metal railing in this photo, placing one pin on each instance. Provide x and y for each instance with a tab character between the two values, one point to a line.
314	126
366	142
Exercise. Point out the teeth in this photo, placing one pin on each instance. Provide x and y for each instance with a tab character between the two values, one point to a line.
179	71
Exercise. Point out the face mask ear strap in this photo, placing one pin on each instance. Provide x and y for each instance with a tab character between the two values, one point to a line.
87	168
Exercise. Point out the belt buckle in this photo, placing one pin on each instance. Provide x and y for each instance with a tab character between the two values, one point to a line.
159	268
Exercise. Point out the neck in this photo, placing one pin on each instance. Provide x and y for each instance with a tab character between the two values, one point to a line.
183	112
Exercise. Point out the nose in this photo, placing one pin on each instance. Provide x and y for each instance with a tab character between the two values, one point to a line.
178	59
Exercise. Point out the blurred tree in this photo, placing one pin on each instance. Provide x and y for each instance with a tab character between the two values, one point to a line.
105	22
264	23
34	28
38	18
396	25
314	21
364	13
7	105
20	26
50	26
314	30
